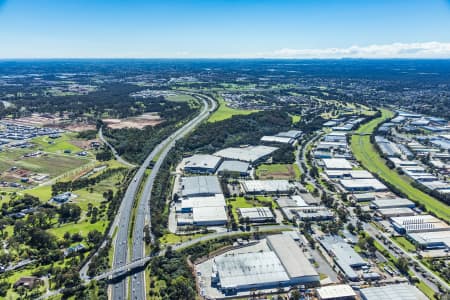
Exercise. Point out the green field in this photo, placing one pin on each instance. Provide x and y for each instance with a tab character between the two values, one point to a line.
404	243
366	153
46	144
224	112
278	171
241	202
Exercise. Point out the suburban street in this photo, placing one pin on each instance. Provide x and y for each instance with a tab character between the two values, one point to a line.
119	290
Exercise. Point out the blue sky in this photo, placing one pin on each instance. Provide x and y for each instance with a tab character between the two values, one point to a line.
224	28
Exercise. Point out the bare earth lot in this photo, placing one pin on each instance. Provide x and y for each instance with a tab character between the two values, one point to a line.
139	122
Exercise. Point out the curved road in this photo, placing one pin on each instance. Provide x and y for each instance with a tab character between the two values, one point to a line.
119	290
116	155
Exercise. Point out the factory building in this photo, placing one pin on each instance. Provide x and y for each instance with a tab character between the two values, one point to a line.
336	164
234	168
283	266
420	223
267	186
209	216
293	134
277	139
200	186
348	174
363	185
431	240
392	203
251	154
395	291
202	164
256	214
202	211
395	212
336	292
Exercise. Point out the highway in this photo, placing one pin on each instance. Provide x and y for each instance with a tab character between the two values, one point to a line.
119	290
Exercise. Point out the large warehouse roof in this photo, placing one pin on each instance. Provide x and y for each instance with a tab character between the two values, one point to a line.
291	256
203	161
246	269
420	223
429	238
250	154
395	202
395	291
256	213
337	164
335	292
200	185
256	186
234	166
277	139
209	201
215	214
363	184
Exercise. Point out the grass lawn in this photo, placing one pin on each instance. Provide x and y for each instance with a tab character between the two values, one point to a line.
241	202
295	118
57	145
278	171
180	98
82	228
224	112
426	290
366	153
404	243
171	238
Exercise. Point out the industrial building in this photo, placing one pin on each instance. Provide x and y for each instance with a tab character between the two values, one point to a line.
363	185
202	211
335	136
209	216
364	197
336	164
431	240
420	223
392	203
395	291
234	168
283	266
277	139
336	292
202	164
267	186
395	212
256	214
188	205
344	255
348	174
293	134
251	154
200	186
312	213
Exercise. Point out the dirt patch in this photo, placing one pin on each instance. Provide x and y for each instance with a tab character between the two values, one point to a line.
139	122
84	144
288	174
37	120
78	127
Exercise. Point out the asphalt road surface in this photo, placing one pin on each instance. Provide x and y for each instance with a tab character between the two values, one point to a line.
119	290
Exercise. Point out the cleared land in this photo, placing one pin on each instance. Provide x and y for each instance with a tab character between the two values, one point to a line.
224	112
139	122
369	157
278	171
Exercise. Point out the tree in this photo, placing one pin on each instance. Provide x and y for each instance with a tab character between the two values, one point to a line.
94	237
181	289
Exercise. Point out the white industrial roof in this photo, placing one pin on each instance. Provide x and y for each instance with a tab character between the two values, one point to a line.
202	161
420	223
256	213
277	139
291	256
266	185
394	202
335	291
291	134
209	214
245	269
394	291
372	183
209	201
424	238
200	185
337	163
355	174
234	166
250	154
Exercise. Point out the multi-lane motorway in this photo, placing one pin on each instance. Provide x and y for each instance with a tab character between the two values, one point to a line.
119	290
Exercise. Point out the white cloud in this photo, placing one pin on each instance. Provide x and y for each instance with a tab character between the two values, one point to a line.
395	50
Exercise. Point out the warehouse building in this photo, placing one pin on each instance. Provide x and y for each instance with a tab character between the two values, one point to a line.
202	211
200	186
267	186
188	205
234	168
256	214
335	136
202	164
293	134
251	154
311	213
420	223
364	197
277	139
348	174
209	216
395	212
283	266
336	164
395	291
392	203
431	240
363	185
336	292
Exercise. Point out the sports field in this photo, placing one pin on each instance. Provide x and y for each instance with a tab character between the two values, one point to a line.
224	112
366	153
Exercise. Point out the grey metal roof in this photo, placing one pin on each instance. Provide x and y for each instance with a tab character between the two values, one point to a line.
234	166
395	291
200	185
